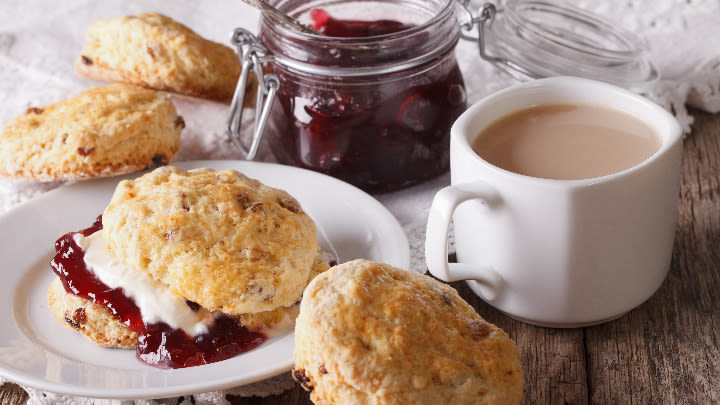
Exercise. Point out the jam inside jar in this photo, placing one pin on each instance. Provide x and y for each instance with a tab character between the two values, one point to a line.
372	101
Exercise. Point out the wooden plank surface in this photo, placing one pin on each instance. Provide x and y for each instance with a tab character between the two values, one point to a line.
665	351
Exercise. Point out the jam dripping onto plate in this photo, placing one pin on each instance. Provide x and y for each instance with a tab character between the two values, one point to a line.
159	345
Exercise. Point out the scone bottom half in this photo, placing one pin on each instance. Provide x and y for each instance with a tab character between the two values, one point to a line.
370	333
80	298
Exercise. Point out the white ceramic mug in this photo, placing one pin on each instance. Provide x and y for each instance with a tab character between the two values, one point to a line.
559	253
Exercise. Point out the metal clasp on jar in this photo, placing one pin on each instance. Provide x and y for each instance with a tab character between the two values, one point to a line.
483	21
252	56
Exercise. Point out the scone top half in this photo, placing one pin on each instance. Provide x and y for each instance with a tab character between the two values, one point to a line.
217	238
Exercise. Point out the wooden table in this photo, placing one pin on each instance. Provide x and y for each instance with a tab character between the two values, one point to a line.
666	351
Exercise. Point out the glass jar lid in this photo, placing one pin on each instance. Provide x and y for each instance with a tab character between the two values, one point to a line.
541	38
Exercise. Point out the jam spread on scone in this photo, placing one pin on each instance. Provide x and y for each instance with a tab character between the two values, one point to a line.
159	344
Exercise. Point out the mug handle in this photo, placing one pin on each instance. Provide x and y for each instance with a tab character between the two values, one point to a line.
436	235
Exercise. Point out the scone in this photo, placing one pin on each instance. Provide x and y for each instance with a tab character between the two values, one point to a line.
200	265
105	131
155	51
370	333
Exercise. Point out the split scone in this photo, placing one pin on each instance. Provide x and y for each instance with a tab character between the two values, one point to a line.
188	267
105	131
370	333
155	51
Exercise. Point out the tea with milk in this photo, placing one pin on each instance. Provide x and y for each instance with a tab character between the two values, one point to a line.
566	141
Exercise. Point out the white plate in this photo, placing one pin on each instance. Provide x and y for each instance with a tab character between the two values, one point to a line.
36	351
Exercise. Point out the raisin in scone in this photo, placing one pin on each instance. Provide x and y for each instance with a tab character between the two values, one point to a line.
213	261
91	320
105	131
155	51
370	333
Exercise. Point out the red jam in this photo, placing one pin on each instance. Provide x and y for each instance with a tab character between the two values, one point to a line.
380	132
326	25
158	345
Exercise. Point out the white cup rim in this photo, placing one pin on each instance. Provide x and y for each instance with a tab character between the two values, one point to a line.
663	122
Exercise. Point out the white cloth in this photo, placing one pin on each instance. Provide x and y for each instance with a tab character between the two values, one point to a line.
40	39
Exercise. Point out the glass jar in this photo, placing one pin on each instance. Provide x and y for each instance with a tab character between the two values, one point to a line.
372	111
539	38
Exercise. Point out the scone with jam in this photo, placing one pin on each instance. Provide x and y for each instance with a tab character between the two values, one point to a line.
370	333
188	267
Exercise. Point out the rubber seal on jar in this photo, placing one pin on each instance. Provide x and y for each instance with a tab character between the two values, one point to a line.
535	38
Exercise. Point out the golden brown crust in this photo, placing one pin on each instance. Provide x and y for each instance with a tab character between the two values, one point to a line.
263	320
217	238
105	131
153	50
90	319
369	333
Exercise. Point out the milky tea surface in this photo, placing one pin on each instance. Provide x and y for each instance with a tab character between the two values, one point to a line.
567	141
